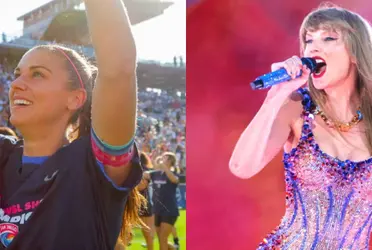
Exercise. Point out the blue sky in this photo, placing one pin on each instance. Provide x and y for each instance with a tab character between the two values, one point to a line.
157	39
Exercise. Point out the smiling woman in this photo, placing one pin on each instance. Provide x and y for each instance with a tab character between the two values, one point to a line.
40	91
76	169
324	123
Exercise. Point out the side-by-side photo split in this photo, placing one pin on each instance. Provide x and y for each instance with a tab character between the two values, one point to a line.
95	99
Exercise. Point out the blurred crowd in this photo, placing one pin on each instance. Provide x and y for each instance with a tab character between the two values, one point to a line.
161	118
162	123
6	77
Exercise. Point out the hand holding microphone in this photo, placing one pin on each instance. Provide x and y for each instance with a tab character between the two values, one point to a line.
294	69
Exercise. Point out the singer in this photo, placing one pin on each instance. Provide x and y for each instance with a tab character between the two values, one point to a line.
323	120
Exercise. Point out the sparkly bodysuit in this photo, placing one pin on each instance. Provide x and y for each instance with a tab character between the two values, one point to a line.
328	201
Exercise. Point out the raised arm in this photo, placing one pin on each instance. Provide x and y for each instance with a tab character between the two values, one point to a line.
264	137
270	128
114	101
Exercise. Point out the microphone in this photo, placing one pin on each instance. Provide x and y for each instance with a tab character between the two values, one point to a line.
281	75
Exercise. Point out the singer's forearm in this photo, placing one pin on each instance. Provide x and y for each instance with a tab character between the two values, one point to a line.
112	37
261	140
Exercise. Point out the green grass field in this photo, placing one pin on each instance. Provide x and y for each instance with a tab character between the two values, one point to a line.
181	230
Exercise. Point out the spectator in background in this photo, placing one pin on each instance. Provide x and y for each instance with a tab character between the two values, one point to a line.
146	211
165	182
162	123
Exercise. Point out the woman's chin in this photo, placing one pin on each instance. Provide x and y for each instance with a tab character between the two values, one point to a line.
320	83
17	120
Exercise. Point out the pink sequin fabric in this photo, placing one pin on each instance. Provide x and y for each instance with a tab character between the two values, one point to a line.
328	201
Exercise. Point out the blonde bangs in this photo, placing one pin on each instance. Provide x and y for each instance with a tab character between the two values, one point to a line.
328	20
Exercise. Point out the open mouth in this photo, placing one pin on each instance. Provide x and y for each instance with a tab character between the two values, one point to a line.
321	67
21	103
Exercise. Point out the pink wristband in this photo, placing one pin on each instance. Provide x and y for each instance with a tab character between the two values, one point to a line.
112	160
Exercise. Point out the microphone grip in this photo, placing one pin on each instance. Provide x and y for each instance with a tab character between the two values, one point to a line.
272	78
281	75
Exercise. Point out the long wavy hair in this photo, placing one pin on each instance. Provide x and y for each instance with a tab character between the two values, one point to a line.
131	218
356	33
